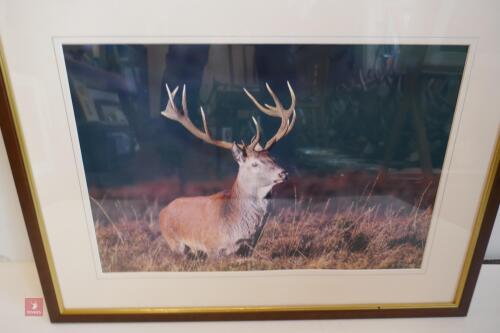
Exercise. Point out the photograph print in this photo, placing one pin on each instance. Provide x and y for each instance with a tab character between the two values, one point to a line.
227	157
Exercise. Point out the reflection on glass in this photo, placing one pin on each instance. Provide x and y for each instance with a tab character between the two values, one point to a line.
363	159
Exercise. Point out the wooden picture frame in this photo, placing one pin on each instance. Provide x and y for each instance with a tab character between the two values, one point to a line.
14	133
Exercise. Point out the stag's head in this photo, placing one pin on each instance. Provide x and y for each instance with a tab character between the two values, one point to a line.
256	167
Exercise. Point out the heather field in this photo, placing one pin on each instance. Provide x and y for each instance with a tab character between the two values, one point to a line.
380	225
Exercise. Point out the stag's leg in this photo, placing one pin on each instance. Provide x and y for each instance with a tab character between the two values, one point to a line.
173	243
170	237
221	253
188	253
245	248
194	254
168	232
201	255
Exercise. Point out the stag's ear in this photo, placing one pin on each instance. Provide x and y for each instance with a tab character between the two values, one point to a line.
238	153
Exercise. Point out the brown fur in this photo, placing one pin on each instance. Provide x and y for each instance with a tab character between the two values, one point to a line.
226	222
212	224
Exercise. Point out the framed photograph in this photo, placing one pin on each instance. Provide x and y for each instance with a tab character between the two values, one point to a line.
268	160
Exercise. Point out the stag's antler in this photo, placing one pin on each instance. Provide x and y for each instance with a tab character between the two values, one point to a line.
173	113
278	111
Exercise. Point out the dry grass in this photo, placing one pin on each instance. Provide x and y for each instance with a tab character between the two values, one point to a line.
340	233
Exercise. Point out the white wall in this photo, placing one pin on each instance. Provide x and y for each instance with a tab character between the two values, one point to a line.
14	244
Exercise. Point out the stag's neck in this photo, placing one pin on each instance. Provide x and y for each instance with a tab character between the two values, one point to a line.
247	192
245	209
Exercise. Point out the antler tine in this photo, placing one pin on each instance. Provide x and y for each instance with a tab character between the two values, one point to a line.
292	123
259	106
292	96
277	102
173	113
204	119
255	140
280	133
184	102
171	95
270	110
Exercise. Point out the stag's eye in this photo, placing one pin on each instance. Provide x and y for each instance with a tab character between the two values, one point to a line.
255	164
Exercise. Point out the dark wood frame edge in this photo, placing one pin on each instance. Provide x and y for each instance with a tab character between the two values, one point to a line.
21	178
18	168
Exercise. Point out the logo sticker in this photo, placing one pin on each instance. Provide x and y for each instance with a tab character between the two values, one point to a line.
33	307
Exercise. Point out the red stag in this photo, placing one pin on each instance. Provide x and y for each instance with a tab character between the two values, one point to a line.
231	221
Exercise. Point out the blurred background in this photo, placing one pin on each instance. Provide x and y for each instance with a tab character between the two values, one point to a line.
362	110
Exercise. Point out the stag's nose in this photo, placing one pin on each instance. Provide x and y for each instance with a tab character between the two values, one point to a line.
283	175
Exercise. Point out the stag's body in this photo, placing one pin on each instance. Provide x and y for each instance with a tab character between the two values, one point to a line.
231	221
223	223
